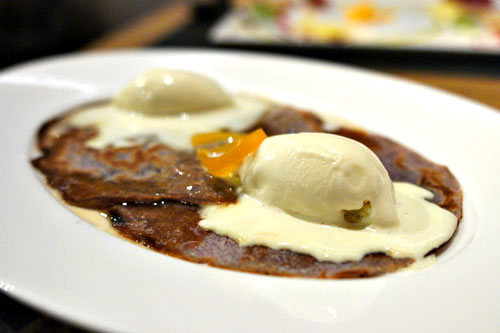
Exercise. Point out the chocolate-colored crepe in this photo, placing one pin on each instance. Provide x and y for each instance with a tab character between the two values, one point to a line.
163	189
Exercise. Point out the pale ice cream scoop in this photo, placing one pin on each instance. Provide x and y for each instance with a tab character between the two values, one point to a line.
165	92
325	178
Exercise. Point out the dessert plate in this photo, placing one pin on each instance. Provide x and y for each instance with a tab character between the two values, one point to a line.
56	262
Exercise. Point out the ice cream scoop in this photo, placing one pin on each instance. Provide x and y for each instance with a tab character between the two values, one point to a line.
321	177
164	92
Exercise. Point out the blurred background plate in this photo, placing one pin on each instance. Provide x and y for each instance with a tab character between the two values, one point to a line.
462	26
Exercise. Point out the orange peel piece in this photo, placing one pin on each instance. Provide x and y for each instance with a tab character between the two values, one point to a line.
208	138
223	161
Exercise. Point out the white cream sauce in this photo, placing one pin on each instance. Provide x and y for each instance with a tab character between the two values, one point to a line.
424	226
118	126
97	218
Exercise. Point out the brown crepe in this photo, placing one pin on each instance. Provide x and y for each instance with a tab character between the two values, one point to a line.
152	194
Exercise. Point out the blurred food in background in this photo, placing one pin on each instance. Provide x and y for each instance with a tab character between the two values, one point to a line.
472	25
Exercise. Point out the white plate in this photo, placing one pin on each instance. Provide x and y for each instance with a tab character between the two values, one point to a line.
52	260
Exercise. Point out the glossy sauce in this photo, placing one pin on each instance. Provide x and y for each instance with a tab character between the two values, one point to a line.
122	128
423	227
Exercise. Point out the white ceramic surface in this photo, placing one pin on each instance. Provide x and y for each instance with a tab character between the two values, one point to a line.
52	260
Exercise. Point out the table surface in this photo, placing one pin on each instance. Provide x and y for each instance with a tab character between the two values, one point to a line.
183	25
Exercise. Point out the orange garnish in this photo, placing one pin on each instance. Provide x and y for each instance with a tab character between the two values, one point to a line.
361	12
365	12
207	138
224	160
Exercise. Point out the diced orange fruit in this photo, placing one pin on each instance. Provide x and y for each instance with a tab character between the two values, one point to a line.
223	161
207	138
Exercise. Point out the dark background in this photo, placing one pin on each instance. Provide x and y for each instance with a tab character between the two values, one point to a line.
34	28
